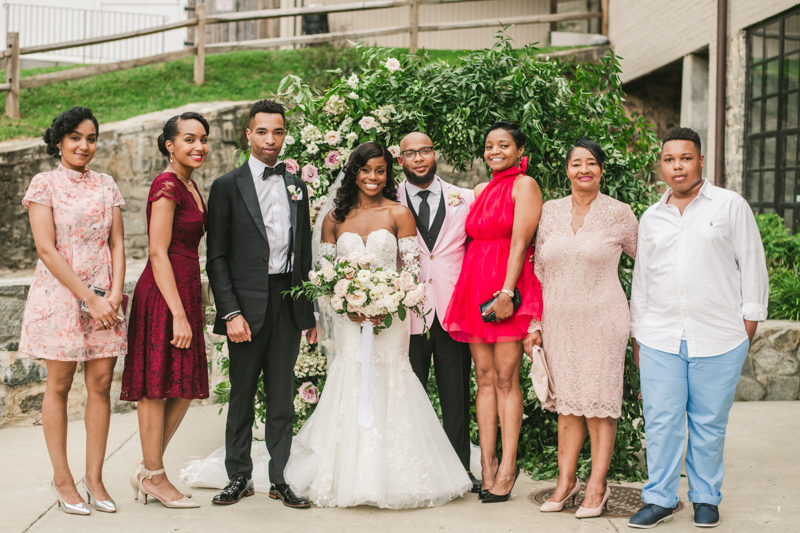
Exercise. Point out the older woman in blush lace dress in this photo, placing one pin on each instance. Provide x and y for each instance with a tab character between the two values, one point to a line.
585	322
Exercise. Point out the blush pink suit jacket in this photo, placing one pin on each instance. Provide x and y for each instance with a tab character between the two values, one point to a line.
441	267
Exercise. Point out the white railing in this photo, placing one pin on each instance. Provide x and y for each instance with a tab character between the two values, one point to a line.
44	25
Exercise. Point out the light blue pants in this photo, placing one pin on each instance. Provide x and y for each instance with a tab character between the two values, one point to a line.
675	387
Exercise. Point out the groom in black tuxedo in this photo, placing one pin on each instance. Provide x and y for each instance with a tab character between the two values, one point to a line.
259	247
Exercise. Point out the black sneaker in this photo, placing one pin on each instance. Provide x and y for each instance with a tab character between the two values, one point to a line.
706	515
650	516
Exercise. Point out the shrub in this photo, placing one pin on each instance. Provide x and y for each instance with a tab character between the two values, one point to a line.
783	263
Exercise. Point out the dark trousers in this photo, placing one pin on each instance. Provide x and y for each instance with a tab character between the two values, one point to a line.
452	365
273	352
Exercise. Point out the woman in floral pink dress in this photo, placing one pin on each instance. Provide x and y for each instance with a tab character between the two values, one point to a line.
77	226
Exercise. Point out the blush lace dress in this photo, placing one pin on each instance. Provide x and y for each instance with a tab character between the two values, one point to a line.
154	368
405	458
586	320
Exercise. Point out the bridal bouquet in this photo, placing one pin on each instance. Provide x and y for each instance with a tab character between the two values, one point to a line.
355	286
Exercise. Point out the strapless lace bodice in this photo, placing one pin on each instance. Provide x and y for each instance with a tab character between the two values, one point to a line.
381	244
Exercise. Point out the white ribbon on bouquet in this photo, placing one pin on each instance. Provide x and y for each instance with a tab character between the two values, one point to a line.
366	397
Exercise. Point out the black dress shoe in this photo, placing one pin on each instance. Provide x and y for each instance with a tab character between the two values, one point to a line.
706	515
236	489
498	498
650	516
476	485
281	491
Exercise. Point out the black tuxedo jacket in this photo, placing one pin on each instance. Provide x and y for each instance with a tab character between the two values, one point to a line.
238	250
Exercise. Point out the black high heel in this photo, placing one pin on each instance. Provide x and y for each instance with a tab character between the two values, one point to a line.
483	492
494	498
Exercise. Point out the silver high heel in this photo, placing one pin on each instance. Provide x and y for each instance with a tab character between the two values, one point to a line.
554	507
70	508
105	506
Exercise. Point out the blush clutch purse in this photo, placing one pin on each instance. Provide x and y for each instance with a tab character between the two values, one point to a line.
516	300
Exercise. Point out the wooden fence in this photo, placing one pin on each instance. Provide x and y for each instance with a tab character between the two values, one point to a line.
199	49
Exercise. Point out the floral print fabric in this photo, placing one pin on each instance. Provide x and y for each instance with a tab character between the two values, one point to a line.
53	325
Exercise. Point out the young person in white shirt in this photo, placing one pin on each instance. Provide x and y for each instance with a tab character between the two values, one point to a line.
700	287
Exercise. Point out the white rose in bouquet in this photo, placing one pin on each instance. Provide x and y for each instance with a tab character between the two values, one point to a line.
356	300
313	277
340	289
413	298
337	303
328	272
364	261
406	282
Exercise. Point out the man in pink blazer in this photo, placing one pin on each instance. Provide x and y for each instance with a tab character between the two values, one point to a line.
440	210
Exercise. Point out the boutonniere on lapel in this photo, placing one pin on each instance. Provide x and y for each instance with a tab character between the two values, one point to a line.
296	193
454	197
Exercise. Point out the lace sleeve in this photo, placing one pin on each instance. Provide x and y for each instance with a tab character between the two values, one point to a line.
326	248
630	232
164	186
409	254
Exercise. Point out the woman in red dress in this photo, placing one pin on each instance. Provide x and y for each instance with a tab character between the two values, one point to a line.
166	365
501	223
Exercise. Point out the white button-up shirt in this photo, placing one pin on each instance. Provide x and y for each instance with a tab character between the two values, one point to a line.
698	275
276	213
433	198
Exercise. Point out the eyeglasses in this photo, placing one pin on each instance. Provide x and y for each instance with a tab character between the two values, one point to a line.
425	151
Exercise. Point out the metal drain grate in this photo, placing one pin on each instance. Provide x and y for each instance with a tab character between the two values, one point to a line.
624	501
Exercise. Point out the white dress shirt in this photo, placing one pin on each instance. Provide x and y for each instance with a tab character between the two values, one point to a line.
698	275
433	198
276	213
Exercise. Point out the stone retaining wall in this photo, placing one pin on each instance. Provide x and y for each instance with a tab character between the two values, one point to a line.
22	381
772	368
771	371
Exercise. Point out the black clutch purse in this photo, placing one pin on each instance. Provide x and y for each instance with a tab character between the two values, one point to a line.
516	300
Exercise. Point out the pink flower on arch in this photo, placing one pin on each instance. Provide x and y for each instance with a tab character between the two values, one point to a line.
310	173
308	392
292	166
333	159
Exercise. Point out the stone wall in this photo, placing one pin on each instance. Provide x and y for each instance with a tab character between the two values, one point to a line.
127	151
772	368
22	381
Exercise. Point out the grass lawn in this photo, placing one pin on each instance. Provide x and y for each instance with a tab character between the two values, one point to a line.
232	76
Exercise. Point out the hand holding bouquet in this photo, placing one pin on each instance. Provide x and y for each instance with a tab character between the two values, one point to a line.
354	286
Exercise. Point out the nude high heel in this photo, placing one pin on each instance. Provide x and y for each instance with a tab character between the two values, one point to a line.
183	503
583	512
135	482
554	507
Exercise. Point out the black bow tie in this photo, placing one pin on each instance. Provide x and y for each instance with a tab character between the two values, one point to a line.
277	170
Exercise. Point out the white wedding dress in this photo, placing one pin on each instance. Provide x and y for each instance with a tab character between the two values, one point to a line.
404	458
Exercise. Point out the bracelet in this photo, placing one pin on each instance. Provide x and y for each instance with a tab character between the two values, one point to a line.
507	292
232	317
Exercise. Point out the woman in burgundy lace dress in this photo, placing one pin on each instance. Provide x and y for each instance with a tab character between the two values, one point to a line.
166	364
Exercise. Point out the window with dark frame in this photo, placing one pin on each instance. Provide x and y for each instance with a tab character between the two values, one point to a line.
772	118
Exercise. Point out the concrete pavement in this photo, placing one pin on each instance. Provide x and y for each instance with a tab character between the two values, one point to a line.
762	488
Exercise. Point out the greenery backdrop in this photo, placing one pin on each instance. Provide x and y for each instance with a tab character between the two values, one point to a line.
454	102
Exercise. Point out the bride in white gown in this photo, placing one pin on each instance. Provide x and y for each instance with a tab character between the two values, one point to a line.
402	458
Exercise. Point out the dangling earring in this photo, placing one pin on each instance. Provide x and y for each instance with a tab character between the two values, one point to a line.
566	184
170	157
602	183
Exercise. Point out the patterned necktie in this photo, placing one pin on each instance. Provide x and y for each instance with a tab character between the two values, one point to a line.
277	170
424	209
